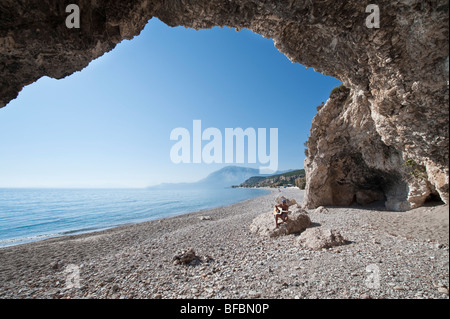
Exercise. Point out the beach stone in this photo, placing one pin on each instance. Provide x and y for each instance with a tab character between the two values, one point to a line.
264	224
320	210
245	264
400	288
319	238
252	294
186	257
205	218
57	265
443	290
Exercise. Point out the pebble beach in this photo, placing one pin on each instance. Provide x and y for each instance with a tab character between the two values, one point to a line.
388	255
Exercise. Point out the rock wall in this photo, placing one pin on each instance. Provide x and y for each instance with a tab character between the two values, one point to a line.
348	161
395	112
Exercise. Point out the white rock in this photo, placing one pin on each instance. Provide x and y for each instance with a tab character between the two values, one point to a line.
320	238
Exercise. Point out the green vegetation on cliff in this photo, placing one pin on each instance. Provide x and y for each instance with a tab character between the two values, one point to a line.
290	178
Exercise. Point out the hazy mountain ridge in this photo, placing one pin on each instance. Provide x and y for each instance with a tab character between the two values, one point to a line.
225	177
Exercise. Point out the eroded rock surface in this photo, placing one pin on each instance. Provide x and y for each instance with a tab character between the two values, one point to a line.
395	110
264	224
320	238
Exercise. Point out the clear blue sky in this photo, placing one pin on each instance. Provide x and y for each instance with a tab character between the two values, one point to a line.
109	125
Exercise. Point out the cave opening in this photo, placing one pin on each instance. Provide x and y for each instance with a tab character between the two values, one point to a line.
334	40
434	199
125	103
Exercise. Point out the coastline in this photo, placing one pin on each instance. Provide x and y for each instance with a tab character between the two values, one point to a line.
111	219
120	228
136	261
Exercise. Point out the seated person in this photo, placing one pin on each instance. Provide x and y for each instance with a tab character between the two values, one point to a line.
281	211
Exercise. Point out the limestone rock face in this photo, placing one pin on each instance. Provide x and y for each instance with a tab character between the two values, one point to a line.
348	160
264	224
364	197
394	111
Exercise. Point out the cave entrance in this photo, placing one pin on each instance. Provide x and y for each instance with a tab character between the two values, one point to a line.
434	199
125	104
336	40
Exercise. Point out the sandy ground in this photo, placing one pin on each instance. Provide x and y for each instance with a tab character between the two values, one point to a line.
428	223
388	255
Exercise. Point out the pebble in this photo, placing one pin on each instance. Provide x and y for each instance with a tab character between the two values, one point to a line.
400	288
443	290
254	294
232	263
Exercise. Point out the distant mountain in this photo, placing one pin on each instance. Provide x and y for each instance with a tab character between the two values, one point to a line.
225	177
228	176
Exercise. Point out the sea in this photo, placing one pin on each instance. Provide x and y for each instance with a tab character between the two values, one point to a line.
28	215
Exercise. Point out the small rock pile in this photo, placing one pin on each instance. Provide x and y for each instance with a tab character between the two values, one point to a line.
189	258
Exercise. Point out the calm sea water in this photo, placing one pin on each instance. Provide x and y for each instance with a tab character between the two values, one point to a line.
33	214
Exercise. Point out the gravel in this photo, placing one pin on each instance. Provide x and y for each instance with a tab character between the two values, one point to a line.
137	261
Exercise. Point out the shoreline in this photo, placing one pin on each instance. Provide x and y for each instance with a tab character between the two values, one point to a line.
76	232
136	261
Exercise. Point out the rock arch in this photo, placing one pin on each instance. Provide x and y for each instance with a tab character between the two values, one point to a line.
395	110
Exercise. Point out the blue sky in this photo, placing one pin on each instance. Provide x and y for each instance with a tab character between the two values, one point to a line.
109	125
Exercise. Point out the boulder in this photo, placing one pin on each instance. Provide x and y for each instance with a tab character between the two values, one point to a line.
264	224
318	238
320	210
